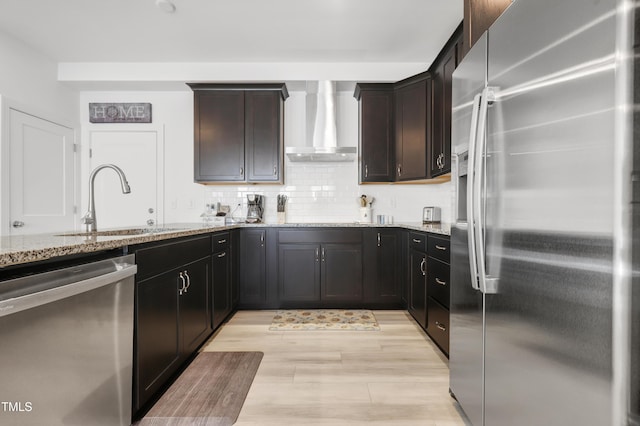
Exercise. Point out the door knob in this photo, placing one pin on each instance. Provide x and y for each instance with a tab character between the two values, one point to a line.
17	224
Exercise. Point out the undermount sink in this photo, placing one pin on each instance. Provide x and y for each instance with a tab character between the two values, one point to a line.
120	232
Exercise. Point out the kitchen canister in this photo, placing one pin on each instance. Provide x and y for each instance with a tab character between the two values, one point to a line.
365	215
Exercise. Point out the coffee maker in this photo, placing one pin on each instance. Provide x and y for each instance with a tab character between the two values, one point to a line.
255	208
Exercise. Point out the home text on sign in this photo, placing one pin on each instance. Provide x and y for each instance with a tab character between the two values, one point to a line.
119	112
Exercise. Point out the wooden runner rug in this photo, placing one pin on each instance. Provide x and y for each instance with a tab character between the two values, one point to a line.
209	392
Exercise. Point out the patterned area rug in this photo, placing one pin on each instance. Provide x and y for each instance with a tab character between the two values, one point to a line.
324	319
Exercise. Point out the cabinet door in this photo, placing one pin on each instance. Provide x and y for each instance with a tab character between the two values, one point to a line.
195	305
299	272
235	268
253	267
411	131
263	136
341	272
221	287
441	145
157	334
376	137
219	126
382	266
418	287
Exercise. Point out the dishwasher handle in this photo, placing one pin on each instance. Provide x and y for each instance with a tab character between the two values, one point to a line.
33	300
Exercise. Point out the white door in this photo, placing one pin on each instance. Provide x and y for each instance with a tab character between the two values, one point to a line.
138	154
42	170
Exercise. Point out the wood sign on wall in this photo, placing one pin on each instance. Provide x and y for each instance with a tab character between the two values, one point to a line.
123	112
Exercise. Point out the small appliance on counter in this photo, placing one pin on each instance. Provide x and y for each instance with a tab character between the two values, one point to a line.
431	215
255	208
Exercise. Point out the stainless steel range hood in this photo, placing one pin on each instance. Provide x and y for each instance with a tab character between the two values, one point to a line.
321	128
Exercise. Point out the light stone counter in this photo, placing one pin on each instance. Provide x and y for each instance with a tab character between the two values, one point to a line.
23	249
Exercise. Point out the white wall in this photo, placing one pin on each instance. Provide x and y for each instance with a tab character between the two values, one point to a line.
318	192
30	80
29	83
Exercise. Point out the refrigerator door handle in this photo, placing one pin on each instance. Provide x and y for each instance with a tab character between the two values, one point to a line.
473	263
488	285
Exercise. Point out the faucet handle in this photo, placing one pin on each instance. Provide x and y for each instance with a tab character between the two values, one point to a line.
88	218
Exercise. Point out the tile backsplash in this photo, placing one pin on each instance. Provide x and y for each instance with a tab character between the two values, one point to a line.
329	192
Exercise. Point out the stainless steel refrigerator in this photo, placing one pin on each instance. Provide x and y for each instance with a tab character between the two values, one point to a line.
544	167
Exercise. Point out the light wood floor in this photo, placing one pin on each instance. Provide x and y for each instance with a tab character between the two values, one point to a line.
395	376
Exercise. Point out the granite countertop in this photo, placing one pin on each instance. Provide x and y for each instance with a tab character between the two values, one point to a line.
21	249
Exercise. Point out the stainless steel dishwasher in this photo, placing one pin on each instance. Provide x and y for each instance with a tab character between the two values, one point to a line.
66	345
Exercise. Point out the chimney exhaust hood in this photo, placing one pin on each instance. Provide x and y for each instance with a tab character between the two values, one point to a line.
321	128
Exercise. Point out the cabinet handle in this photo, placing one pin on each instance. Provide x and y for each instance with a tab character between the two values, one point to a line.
323	254
399	170
241	170
378	239
182	288
188	281
441	282
366	171
317	254
417	241
441	248
262	239
441	326
223	254
423	266
222	241
275	170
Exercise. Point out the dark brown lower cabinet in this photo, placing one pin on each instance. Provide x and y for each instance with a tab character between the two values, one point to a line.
418	286
319	268
438	290
172	311
173	318
221	301
438	324
252	275
382	267
341	272
299	277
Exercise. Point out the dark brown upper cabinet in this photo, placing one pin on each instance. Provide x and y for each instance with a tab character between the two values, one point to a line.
376	141
442	71
413	127
478	17
238	132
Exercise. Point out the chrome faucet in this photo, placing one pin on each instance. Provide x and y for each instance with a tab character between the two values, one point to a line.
89	218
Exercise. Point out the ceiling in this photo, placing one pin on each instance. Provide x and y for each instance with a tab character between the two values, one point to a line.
234	30
387	34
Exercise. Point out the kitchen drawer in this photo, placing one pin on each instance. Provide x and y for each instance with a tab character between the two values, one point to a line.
220	241
438	285
418	241
319	236
438	324
439	248
159	258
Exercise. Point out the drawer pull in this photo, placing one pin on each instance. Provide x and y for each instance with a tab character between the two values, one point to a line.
222	241
441	282
440	326
417	241
223	254
441	248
